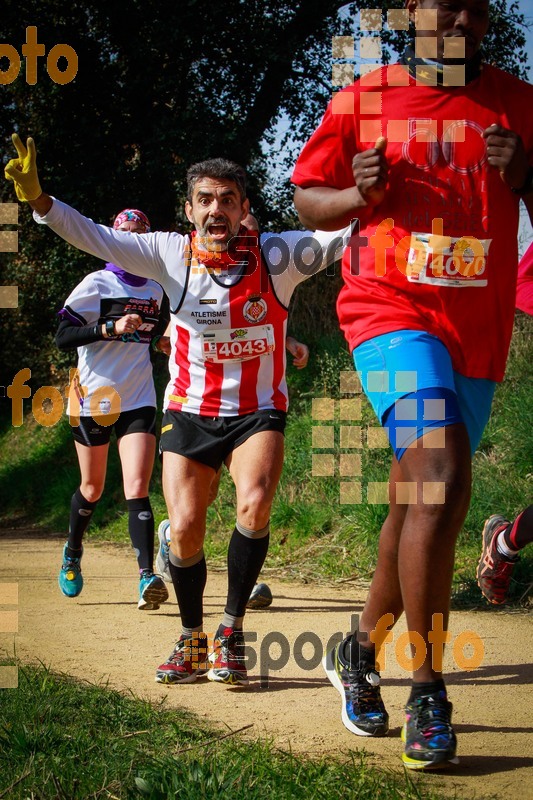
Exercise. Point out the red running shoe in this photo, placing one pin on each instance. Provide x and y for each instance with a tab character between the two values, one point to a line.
227	658
187	661
494	571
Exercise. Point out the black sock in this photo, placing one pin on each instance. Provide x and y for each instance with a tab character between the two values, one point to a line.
246	556
189	585
80	515
141	528
520	532
424	689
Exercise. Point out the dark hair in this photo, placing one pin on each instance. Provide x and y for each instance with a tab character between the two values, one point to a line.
216	168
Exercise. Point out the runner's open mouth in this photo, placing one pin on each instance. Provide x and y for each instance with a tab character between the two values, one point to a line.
217	229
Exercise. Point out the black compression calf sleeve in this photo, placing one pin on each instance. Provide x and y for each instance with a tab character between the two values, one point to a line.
246	555
81	511
189	584
141	530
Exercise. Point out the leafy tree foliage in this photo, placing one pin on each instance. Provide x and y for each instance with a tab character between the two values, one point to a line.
160	85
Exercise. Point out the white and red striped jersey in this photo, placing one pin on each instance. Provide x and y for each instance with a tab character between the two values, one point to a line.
228	323
228	341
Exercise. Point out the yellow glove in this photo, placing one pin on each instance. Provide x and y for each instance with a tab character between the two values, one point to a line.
23	170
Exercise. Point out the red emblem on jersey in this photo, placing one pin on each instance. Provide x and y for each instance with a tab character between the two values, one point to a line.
255	309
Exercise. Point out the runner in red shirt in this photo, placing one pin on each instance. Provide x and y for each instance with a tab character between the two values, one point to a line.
432	155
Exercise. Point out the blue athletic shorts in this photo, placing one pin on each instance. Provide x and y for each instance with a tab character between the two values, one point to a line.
412	387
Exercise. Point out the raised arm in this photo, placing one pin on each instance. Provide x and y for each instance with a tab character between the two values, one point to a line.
136	253
23	172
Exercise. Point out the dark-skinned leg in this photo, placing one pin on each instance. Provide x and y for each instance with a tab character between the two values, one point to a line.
430	491
418	538
385	595
435	487
351	665
442	477
440	480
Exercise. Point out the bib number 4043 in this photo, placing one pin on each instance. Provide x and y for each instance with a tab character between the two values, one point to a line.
238	344
238	349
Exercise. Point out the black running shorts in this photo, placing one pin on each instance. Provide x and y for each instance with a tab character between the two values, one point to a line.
210	440
92	432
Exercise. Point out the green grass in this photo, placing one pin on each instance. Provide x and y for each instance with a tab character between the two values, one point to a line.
314	537
68	740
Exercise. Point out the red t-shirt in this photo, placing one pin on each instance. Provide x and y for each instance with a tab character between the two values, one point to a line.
461	291
524	287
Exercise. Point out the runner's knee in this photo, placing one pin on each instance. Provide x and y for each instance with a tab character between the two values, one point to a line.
92	491
187	533
437	496
436	483
136	487
253	510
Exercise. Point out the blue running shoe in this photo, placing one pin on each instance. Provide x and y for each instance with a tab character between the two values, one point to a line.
162	563
430	741
70	578
152	591
363	712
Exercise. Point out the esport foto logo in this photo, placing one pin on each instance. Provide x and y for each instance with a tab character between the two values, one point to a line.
274	651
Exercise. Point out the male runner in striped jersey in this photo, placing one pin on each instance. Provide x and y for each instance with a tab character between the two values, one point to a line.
226	400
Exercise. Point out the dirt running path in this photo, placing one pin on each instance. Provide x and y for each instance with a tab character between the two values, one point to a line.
102	636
